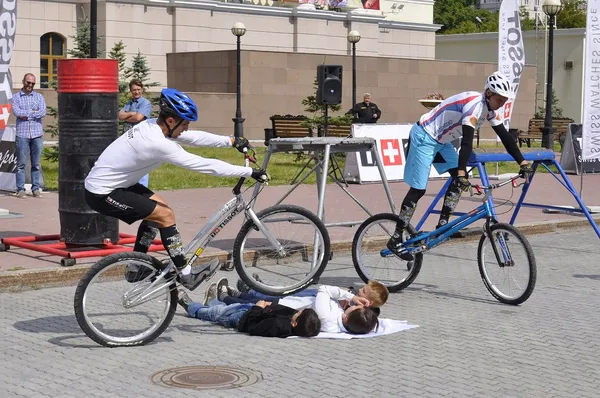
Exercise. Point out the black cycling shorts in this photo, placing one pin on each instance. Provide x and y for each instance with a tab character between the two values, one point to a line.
127	204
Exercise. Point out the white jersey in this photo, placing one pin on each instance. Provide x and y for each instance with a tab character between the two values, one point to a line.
444	122
145	148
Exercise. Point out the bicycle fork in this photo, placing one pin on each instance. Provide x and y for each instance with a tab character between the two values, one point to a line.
142	293
506	260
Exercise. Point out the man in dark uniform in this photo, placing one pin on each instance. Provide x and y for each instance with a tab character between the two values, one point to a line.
366	111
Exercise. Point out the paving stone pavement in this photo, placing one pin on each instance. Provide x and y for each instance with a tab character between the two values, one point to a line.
467	345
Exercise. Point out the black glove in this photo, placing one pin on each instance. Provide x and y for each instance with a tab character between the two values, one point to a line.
462	183
260	175
526	171
240	143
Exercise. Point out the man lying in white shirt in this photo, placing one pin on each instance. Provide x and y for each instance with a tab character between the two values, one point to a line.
355	319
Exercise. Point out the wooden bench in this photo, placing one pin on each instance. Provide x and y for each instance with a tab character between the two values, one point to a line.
338	131
287	126
534	131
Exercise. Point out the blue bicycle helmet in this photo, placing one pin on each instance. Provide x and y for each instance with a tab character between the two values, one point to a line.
176	103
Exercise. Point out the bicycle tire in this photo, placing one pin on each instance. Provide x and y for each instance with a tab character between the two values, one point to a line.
88	277
491	287
261	287
358	264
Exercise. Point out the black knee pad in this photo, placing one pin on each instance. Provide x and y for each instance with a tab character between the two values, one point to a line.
414	194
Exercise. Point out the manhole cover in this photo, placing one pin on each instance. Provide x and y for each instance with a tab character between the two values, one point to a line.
206	377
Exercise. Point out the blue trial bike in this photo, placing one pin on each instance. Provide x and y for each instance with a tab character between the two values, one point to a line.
504	256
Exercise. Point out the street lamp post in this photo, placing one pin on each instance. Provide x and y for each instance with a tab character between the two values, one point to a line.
353	37
238	127
94	29
551	8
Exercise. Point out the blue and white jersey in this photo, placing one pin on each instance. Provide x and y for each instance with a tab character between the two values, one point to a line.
444	122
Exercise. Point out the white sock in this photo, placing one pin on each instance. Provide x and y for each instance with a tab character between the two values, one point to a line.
187	270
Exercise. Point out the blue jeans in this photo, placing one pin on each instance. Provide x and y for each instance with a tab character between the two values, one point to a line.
219	312
31	147
253	296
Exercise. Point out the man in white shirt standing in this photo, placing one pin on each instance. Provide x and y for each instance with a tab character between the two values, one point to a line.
112	186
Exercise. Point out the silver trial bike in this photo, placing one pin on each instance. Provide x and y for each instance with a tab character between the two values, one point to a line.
287	246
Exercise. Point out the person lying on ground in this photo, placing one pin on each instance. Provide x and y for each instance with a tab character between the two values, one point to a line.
257	319
338	310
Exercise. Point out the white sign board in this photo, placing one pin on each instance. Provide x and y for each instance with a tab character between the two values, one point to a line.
511	55
591	91
392	143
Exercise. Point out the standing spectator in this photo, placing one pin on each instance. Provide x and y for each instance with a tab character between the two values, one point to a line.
366	111
136	110
29	107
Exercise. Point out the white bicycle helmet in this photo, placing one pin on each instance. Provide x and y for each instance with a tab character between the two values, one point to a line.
499	84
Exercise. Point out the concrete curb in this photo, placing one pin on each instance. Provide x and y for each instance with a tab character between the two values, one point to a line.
13	281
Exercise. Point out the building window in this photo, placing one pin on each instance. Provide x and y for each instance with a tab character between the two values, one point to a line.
52	48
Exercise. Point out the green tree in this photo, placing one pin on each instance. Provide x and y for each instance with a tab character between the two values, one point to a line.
461	16
140	70
573	15
557	112
81	41
118	53
527	23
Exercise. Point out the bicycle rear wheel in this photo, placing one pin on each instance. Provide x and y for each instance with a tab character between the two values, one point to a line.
512	281
373	261
294	251
109	303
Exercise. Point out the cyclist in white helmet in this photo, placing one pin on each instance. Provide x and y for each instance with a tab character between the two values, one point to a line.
431	142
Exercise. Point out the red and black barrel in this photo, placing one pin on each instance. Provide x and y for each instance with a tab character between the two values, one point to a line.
87	123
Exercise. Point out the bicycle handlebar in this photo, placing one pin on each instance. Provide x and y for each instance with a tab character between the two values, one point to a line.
489	188
249	157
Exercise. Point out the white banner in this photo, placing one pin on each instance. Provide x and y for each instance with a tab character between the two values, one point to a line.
8	159
392	142
591	93
511	55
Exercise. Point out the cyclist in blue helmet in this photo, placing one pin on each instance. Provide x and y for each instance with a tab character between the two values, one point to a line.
112	186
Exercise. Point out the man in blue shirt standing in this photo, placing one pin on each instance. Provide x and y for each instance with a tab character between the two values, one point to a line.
29	107
136	110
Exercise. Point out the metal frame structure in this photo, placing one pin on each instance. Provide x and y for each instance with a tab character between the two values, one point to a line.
541	157
322	148
70	253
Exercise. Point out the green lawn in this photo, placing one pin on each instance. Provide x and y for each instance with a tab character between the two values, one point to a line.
282	168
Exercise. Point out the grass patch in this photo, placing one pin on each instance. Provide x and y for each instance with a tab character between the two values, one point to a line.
15	268
282	168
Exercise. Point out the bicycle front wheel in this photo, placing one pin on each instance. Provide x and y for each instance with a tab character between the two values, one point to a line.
373	261
288	250
114	306
510	280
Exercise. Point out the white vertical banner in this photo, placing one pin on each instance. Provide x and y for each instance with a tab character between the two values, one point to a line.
511	55
591	91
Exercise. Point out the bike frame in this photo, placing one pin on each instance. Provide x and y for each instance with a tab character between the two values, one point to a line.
428	240
213	226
